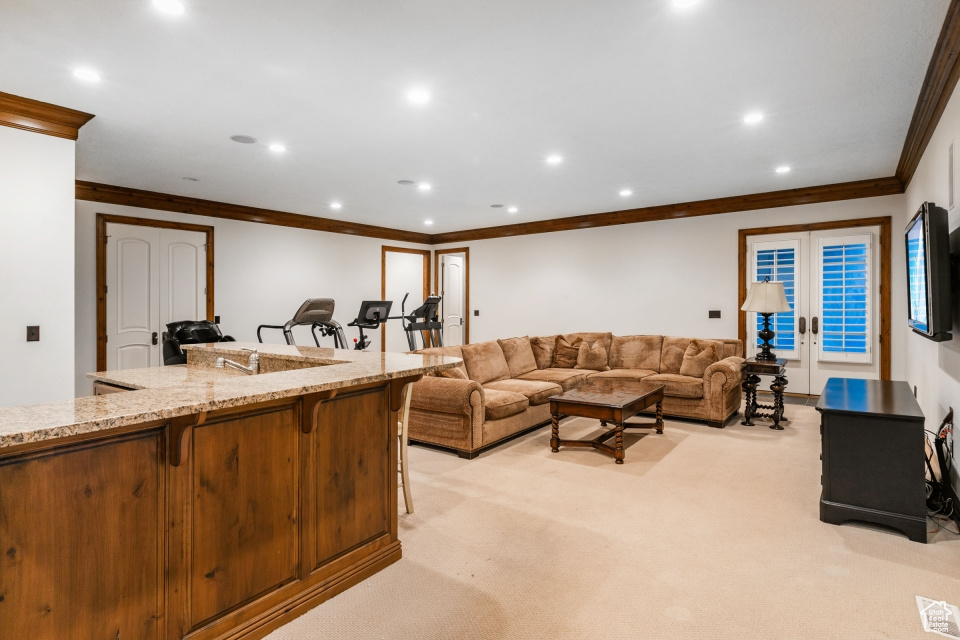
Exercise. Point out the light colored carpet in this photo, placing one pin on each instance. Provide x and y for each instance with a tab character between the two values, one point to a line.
702	534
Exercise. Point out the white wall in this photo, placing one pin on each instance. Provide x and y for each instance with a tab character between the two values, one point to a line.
653	277
262	274
36	266
935	367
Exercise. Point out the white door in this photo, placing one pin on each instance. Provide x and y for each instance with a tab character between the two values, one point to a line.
154	276
831	279
453	290
403	274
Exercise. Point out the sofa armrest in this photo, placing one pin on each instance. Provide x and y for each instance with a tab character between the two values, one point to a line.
728	368
447	395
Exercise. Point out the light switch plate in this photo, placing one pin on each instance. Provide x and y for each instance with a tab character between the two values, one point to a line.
33	333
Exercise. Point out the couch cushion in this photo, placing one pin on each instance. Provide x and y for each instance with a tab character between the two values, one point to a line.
503	404
635	352
592	356
676	385
625	374
536	391
566	378
453	352
543	348
590	337
519	355
671	356
566	353
485	361
699	355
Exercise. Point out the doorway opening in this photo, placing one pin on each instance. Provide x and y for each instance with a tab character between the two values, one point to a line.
149	272
452	269
837	279
403	271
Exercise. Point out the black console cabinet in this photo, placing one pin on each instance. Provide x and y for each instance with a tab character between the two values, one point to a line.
872	442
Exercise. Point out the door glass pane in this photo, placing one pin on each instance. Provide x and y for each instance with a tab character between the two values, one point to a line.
780	266
845	296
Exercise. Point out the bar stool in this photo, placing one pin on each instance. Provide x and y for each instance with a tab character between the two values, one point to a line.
402	469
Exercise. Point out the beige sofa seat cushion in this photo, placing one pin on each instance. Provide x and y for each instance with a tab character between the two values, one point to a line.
592	356
452	352
485	362
536	391
566	378
635	352
543	348
623	374
677	385
502	404
519	355
699	355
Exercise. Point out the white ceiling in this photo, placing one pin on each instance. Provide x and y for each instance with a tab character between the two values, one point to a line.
634	94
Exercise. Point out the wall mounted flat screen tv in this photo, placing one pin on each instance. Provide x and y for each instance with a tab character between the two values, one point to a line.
928	273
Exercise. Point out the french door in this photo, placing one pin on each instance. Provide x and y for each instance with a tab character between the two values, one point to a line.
832	281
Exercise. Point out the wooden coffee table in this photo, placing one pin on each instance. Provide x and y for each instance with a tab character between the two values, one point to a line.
607	400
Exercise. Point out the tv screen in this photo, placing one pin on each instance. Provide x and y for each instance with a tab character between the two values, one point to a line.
917	275
928	273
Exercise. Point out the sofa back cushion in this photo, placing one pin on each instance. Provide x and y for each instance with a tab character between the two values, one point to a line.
566	353
590	337
635	352
592	356
731	348
485	362
543	348
519	355
452	352
699	355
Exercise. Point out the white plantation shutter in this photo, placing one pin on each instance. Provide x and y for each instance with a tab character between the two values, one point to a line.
846	331
778	261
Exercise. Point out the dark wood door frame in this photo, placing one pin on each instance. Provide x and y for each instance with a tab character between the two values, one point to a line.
383	281
466	284
105	218
885	294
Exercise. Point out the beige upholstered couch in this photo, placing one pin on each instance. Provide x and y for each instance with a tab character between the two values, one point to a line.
504	386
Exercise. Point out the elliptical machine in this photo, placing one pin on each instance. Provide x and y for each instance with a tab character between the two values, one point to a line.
318	313
424	320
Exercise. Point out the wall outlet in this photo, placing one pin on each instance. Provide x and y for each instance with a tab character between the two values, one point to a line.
33	334
714	314
216	319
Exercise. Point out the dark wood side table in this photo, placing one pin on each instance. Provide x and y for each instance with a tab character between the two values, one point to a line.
872	443
752	370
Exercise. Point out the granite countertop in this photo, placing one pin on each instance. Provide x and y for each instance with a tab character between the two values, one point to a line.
167	392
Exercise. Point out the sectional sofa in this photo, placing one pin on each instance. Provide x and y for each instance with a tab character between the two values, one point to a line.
503	386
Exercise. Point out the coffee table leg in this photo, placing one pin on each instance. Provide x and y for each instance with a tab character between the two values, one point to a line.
618	443
555	433
659	422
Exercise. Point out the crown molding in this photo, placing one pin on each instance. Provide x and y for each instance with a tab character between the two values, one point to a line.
41	117
938	85
769	200
109	194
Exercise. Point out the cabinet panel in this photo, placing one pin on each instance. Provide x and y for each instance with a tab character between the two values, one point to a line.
244	512
81	539
352	458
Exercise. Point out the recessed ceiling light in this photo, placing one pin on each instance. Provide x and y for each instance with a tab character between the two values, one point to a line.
418	95
424	186
406	183
496	206
188	179
684	4
626	193
87	75
512	210
428	222
753	118
243	139
174	7
554	159
783	169
277	148
336	205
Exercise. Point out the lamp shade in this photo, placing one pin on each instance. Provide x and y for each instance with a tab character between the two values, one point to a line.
766	297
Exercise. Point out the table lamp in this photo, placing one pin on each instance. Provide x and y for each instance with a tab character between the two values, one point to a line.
766	298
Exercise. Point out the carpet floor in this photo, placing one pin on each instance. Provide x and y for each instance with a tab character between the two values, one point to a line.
703	534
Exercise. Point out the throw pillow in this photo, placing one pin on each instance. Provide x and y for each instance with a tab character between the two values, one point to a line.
543	349
697	358
592	357
519	355
457	373
565	356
